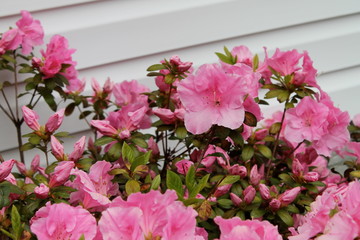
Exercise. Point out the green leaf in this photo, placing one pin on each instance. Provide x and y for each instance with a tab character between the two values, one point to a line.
82	237
140	142
8	58
202	183
34	140
154	74
29	187
132	186
115	151
247	152
16	223
237	138
140	160
27	146
257	213
50	100
61	134
103	140
286	178
225	203
273	93
275	128
285	217
355	174
264	150
169	78
70	109
181	132
229	180
127	153
190	178
155	67
156	182
255	62
173	181
291	208
250	119
224	58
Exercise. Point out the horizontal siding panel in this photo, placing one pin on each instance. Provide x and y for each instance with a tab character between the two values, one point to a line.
13	7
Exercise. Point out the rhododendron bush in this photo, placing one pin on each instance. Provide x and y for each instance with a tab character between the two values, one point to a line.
210	165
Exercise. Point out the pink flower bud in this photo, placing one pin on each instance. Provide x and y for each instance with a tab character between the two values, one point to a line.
273	189
41	191
79	147
249	194
152	145
255	177
275	204
356	120
289	196
235	199
61	173
181	66
165	115
311	176
95	86
297	168
264	191
54	121
261	134
35	163
104	127
21	167
31	118
238	170
57	149
108	86
222	190
36	62
28	180
183	166
124	134
5	168
180	113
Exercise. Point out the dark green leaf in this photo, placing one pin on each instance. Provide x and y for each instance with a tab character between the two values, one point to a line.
247	152
190	178
264	150
127	152
27	146
173	181
285	217
229	180
103	140
140	142
154	74
16	223
156	182
140	160
202	183
155	67
257	213
115	151
250	119
8	58
69	109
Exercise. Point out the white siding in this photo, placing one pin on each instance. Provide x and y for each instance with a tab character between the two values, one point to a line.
119	39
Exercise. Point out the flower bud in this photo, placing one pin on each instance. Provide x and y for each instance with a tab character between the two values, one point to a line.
249	194
61	173
35	163
36	62
255	177
96	86
235	199
236	169
21	167
181	66
264	191
79	147
274	189
289	195
57	149
165	115
275	204
311	176
41	191
5	168
31	118
108	86
261	134
104	127
297	168
183	166
356	120
54	121
222	190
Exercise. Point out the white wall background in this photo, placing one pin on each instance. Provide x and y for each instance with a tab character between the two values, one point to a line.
120	39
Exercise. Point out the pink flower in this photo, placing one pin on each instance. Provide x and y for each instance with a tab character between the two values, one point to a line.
104	127
308	73
41	191
308	120
285	63
255	176
183	166
222	190
165	115
208	98
31	32
57	149
235	228
356	120
61	173
31	118
76	85
236	169
208	161
311	176
5	168
264	191
249	194
62	221
130	92
181	67
95	188
79	148
235	199
148	216
10	40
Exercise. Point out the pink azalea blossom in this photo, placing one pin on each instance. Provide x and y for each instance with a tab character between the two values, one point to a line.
208	98
264	191
31	118
31	32
62	221
235	228
356	120
76	85
285	63
79	148
307	121
41	191
208	161
255	176
289	196
249	194
104	127
236	169
180	66
95	188
10	40
147	216
183	166
235	199
130	92
57	149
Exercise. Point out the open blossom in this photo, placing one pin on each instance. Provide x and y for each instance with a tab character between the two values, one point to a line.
62	221
307	121
208	161
95	188
31	32
286	62
235	228
10	40
130	92
149	216
41	191
212	97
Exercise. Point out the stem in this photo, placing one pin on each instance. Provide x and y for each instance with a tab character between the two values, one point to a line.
215	187
8	105
19	138
87	122
7	114
16	89
278	134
